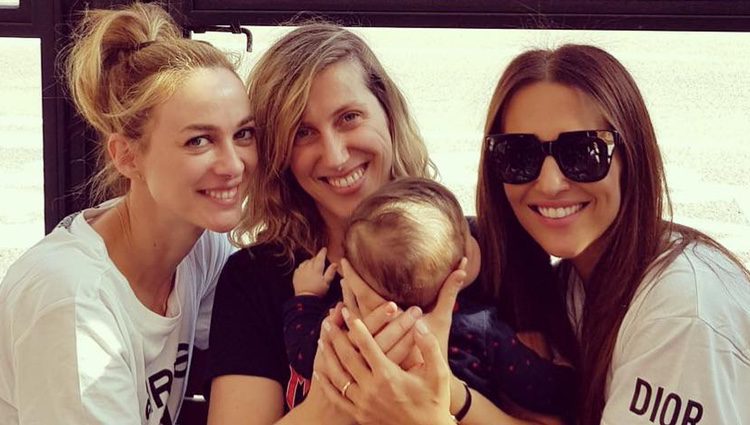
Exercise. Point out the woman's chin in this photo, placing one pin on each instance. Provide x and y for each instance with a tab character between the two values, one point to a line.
562	252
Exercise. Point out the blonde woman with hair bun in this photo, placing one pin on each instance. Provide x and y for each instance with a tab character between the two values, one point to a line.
98	320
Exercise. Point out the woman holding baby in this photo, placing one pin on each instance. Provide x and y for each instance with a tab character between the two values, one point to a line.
333	129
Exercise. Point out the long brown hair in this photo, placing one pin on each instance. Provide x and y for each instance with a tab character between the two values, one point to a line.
278	87
120	65
518	271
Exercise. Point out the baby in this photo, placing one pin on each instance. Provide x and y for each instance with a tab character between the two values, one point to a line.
404	241
407	238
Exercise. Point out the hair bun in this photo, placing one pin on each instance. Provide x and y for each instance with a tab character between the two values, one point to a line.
104	42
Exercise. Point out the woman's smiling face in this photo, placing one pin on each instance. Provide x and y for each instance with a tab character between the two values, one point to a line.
343	150
563	216
201	152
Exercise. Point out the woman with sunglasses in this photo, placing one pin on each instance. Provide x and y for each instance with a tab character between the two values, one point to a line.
655	315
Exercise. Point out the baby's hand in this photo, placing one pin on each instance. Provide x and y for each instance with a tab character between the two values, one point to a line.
309	278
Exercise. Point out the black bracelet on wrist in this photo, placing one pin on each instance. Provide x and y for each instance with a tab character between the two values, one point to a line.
461	414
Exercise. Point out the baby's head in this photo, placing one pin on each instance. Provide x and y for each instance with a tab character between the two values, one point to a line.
406	238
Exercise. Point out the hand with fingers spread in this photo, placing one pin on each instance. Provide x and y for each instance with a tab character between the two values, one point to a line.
359	378
310	279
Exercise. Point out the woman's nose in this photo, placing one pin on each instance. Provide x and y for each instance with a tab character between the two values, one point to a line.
335	149
551	180
229	162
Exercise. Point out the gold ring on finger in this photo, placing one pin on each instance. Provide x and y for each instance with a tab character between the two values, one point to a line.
345	387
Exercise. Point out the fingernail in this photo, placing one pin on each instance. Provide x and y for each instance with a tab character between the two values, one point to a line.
421	327
459	285
391	308
345	313
415	312
326	325
321	345
315	375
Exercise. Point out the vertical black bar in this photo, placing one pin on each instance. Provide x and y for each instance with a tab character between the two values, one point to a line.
63	149
68	141
46	19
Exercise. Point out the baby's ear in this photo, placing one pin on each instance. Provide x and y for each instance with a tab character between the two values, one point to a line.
474	259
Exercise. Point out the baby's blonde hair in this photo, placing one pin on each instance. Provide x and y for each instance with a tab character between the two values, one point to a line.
406	239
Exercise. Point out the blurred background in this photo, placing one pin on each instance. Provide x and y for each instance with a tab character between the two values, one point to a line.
696	86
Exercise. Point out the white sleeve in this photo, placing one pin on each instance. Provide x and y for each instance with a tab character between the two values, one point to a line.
71	368
680	371
216	253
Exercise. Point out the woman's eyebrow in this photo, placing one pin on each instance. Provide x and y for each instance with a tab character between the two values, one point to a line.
211	127
246	120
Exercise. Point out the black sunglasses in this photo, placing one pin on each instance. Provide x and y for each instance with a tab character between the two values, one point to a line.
583	156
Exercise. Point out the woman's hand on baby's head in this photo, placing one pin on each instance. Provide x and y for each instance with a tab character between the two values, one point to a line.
371	386
391	328
310	279
359	297
375	321
441	316
360	300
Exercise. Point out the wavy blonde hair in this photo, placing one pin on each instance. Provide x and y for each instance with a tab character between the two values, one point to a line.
122	63
278	86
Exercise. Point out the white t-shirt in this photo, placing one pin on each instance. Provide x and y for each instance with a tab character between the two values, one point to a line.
78	347
682	354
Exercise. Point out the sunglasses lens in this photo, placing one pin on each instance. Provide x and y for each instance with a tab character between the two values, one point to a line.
518	158
583	157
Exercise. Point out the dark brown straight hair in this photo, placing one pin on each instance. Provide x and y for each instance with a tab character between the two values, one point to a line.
517	270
